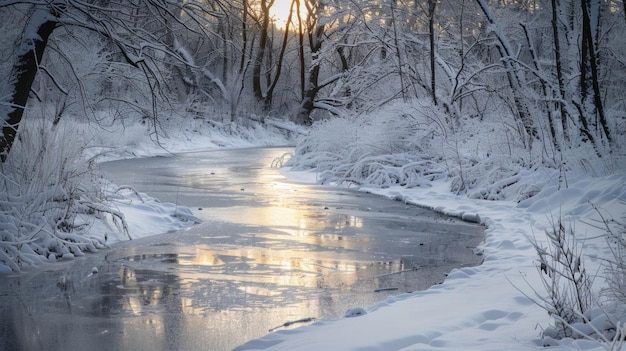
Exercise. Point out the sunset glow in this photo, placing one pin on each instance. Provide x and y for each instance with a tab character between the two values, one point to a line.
280	13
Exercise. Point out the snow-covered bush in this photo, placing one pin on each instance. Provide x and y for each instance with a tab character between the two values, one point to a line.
47	194
485	179
565	279
615	273
393	145
576	310
616	266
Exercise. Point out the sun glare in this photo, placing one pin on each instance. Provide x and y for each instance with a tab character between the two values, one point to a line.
280	13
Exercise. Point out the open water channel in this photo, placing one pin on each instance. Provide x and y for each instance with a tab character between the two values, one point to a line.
269	252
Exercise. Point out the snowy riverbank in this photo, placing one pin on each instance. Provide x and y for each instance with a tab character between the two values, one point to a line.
487	307
57	206
478	308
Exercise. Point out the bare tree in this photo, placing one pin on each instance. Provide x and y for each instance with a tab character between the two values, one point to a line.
264	25
559	68
279	65
589	61
432	5
514	76
29	53
315	31
140	30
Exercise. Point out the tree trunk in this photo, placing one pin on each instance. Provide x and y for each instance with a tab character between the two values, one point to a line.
315	33
258	61
344	68
431	36
396	44
29	52
590	41
559	69
544	89
244	36
514	77
301	52
308	104
281	56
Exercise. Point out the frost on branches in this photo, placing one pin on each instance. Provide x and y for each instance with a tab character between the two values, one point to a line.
50	198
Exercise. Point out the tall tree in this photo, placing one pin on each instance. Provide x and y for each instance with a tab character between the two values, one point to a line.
264	26
279	65
29	53
432	5
559	68
301	58
315	31
513	74
589	61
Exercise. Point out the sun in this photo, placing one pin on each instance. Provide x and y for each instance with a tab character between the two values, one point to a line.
280	13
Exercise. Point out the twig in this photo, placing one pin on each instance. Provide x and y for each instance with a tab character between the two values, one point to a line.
290	323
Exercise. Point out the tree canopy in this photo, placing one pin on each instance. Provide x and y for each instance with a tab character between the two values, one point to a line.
554	66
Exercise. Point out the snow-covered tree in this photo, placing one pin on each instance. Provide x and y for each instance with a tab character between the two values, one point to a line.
139	34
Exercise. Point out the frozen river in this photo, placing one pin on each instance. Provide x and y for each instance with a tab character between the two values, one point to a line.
269	252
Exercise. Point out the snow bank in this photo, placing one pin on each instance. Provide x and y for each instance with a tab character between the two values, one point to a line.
136	139
409	152
143	216
476	308
54	205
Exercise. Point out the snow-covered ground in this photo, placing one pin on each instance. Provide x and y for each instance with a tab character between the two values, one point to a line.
147	216
56	207
476	308
488	307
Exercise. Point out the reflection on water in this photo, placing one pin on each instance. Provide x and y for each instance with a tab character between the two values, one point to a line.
269	252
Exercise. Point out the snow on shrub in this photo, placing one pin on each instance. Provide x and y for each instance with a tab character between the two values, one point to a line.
47	194
568	295
411	145
387	147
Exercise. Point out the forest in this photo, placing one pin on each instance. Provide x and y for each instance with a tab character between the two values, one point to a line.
391	92
552	70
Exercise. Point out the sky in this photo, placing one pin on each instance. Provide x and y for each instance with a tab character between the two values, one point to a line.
280	11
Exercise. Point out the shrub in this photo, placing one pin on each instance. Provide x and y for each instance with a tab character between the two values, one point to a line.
47	192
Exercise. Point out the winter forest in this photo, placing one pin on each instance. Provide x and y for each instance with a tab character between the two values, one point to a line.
376	92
